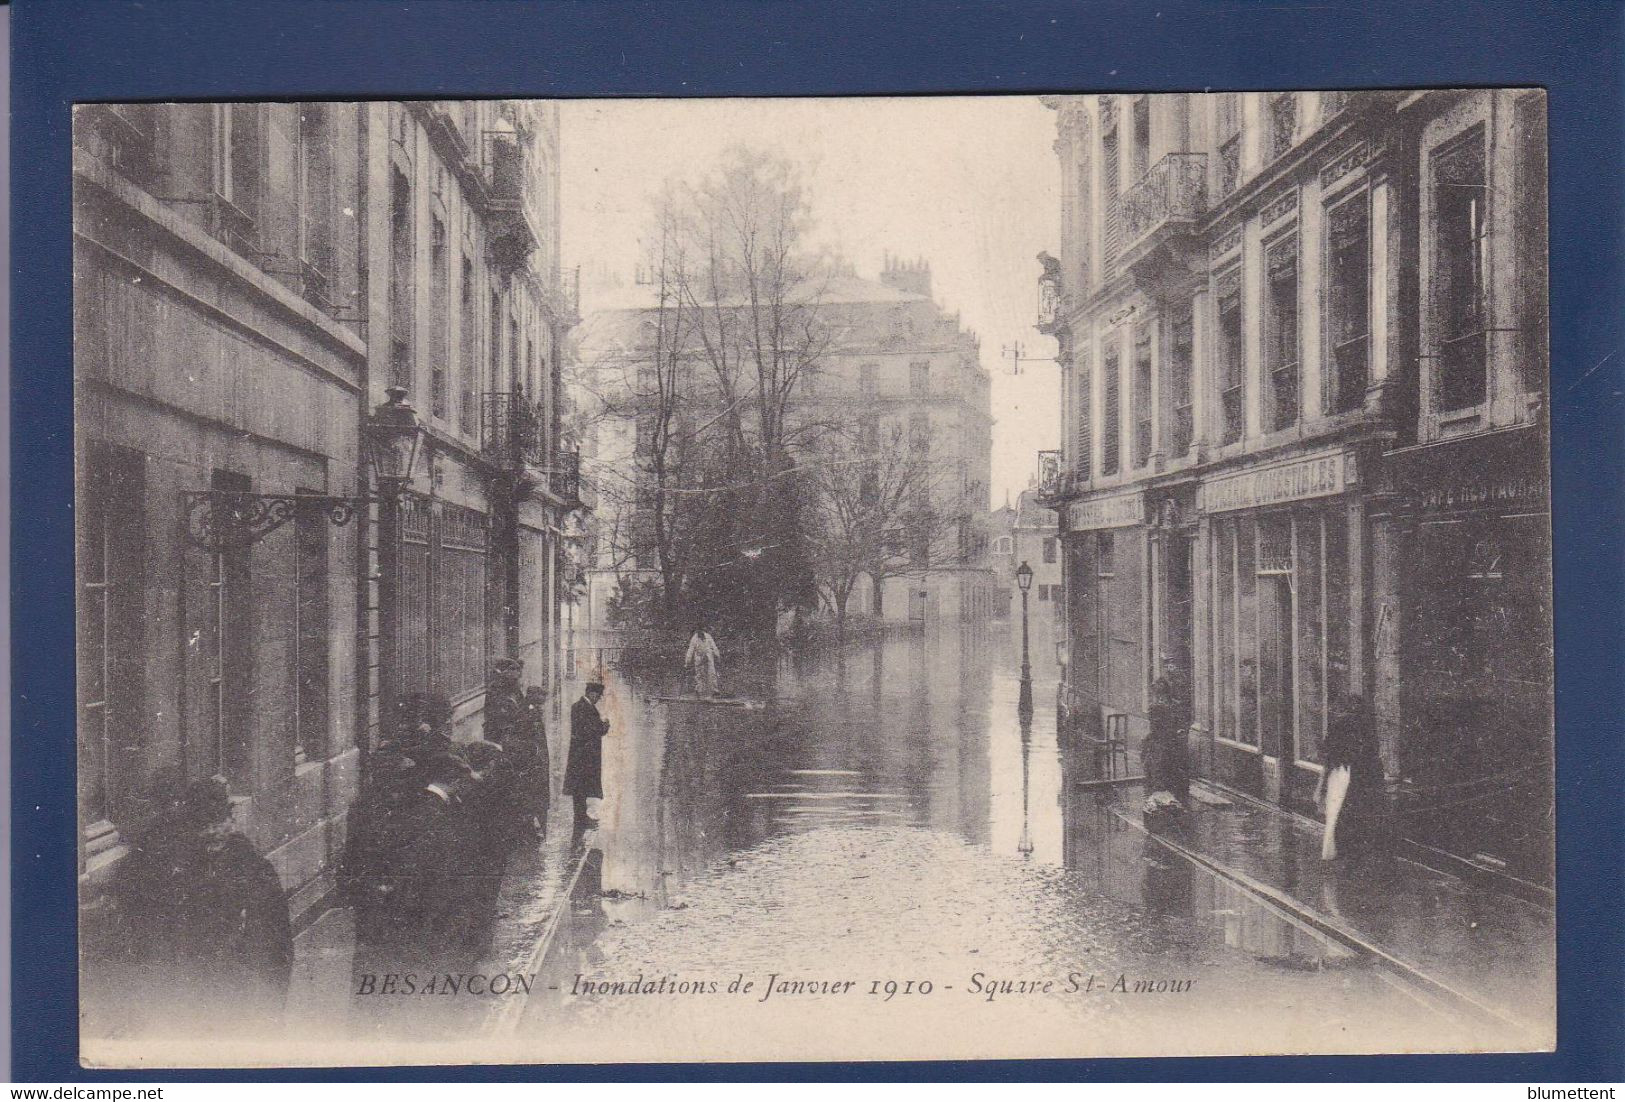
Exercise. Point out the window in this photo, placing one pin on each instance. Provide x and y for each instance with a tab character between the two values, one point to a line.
311	633
1083	224
1111	430
1460	314
919	377
919	431
468	358
514	379
401	285
315	204
1142	395
869	433
1283	122
127	134
1177	382
439	306
1232	375
227	646
494	348
1142	137
867	379
1529	237
1083	415
237	175
1111	230
445	616
1049	548
1227	131
111	622
1002	545
1281	330
1348	302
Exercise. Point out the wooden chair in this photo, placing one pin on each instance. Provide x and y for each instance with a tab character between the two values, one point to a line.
1115	743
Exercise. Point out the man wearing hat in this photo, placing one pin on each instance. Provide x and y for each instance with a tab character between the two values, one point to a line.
584	769
203	921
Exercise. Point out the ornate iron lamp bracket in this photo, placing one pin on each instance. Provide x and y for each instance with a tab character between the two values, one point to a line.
229	520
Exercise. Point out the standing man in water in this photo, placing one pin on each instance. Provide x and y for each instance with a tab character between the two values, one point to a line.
584	769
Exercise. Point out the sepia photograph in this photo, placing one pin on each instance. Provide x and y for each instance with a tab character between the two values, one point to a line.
567	581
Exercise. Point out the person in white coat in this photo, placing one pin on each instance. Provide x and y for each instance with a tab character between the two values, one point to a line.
701	661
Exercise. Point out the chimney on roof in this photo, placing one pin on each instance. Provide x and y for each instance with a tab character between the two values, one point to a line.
909	276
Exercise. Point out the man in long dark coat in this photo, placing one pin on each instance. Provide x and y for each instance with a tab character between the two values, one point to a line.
584	769
203	930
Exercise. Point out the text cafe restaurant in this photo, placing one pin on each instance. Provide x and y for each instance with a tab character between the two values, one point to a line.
1253	584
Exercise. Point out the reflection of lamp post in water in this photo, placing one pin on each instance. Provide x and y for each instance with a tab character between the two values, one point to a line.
1025	845
1024	581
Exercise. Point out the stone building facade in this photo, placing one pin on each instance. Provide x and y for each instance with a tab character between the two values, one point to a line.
249	280
1304	377
895	364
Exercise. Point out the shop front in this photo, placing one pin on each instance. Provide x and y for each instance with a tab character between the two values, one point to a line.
1282	544
1105	546
1472	657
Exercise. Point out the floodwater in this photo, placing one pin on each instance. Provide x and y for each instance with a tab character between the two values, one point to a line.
882	861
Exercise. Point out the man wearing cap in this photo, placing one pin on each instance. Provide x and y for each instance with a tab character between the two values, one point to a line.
584	769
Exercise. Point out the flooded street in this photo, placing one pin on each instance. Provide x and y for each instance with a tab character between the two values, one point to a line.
896	866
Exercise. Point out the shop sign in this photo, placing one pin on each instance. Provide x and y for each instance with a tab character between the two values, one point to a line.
1317	476
1528	491
1116	511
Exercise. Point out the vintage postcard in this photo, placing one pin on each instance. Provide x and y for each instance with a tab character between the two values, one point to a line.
791	579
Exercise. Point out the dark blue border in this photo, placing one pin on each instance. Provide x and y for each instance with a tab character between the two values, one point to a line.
66	50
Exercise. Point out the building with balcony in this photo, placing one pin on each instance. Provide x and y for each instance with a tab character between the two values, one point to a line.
1304	376
891	365
250	278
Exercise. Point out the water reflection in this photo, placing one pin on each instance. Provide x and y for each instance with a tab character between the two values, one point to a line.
883	807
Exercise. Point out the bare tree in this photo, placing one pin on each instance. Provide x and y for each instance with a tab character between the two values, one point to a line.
875	513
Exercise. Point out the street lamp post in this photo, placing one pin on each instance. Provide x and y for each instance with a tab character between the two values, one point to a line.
1024	581
392	439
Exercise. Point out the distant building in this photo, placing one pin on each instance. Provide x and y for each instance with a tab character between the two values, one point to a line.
249	279
1036	541
895	363
1304	389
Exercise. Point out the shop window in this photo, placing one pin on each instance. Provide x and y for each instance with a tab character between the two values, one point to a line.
1310	596
1181	423
1281	331
1348	299
1142	395
1246	633
1224	629
1232	375
402	286
1529	234
1112	414
1460	242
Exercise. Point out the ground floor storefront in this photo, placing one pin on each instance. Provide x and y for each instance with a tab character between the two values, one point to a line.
1416	582
1465	652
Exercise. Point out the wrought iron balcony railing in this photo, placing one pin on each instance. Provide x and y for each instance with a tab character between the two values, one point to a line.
1175	190
513	431
564	479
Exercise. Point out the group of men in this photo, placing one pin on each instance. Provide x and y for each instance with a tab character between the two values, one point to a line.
432	831
199	914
